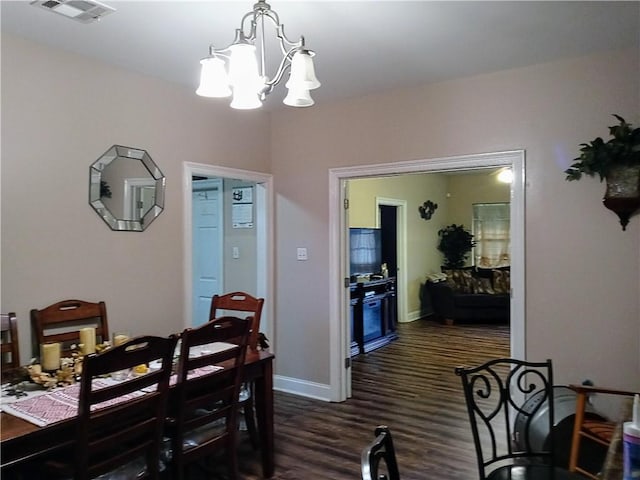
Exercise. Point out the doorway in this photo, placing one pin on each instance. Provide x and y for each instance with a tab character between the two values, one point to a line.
389	228
340	379
261	256
396	217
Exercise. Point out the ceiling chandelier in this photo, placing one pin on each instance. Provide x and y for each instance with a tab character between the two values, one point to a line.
236	70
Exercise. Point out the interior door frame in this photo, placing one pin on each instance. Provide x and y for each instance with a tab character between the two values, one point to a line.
264	236
339	373
401	252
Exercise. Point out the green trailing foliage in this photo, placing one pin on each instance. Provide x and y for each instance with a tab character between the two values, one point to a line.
598	156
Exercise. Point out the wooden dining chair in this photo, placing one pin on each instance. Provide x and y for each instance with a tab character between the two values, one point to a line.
240	303
377	454
61	322
9	337
594	428
492	390
120	424
203	409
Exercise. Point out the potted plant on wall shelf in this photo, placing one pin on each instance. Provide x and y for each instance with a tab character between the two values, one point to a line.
455	243
618	162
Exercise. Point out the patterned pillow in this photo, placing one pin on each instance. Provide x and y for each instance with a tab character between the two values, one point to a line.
502	281
482	285
459	280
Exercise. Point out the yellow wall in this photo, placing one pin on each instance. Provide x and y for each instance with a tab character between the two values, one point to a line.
465	190
454	195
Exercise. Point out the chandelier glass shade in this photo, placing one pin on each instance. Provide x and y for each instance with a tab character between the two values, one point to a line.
239	70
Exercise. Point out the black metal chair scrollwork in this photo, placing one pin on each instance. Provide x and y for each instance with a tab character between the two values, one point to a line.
505	400
378	451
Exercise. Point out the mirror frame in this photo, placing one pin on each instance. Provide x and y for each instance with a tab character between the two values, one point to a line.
95	179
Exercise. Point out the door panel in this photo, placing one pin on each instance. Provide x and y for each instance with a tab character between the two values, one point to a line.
207	246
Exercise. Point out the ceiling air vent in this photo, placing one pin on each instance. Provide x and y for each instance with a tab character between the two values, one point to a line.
84	11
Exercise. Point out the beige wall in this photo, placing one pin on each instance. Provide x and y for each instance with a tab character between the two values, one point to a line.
60	112
582	270
240	274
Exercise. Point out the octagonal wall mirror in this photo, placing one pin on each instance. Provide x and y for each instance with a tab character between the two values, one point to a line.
126	188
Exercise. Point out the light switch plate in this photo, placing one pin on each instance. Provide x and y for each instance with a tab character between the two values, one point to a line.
302	253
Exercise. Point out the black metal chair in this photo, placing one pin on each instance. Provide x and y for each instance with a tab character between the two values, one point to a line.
505	400
381	449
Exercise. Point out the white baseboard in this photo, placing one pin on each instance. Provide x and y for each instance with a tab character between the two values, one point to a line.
413	316
303	388
318	391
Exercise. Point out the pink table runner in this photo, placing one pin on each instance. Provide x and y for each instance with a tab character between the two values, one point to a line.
62	403
57	405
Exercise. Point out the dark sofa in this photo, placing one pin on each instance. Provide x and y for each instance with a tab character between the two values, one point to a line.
471	295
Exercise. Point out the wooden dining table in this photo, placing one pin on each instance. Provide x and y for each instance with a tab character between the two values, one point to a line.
22	441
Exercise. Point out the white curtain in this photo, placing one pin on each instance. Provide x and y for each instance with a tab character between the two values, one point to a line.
491	234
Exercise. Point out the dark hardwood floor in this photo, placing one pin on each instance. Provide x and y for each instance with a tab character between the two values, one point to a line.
408	385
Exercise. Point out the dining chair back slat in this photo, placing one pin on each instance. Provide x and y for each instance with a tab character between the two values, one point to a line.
61	322
10	346
203	409
137	423
239	302
121	424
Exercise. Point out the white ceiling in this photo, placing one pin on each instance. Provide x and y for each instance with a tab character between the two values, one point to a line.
361	46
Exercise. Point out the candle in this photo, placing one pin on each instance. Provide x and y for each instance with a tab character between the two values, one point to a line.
88	340
119	338
50	356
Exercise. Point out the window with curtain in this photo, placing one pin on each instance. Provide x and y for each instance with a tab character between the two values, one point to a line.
491	233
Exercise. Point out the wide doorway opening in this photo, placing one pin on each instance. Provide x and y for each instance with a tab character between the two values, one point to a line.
341	331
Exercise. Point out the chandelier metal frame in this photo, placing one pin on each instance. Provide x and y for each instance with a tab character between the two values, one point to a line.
252	32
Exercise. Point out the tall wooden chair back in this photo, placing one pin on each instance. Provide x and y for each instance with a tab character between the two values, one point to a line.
592	428
120	426
61	322
243	303
377	454
9	338
493	393
239	303
204	405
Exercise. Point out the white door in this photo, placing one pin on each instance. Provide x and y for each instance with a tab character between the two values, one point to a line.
207	245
